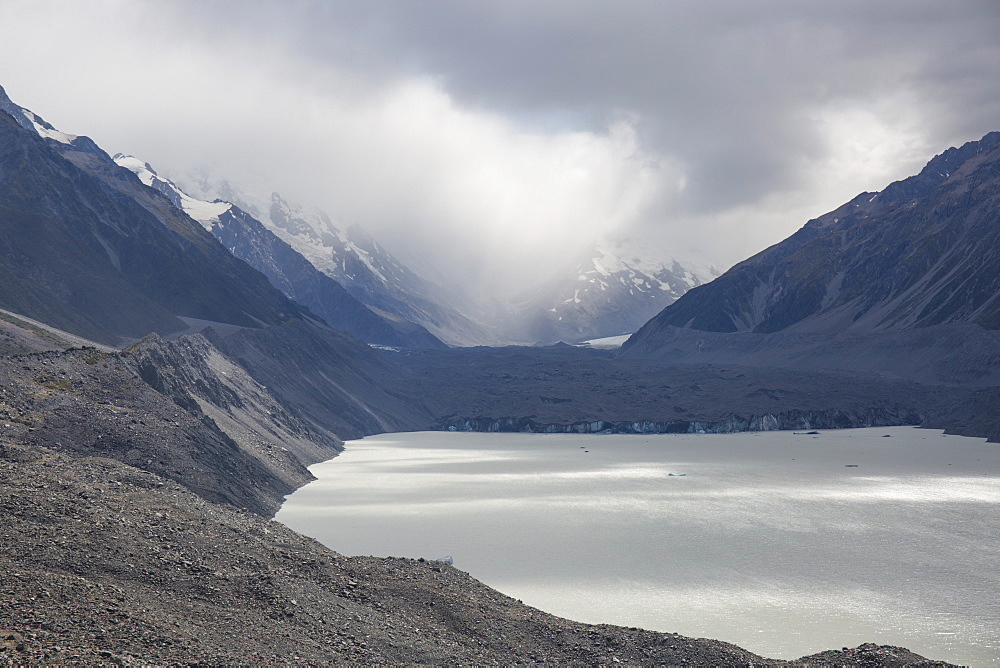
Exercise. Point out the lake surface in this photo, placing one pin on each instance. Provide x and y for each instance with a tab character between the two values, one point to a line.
785	544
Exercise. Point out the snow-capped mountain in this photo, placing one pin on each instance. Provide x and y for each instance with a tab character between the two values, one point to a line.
247	238
351	257
206	213
614	291
89	249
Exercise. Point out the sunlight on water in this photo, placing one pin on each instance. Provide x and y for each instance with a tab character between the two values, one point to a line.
783	543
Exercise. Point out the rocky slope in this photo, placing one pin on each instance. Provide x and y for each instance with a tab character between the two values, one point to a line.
230	428
88	402
334	382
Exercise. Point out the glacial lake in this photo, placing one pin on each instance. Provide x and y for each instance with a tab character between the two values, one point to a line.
783	543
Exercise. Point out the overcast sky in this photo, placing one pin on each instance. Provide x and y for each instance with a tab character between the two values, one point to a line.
499	138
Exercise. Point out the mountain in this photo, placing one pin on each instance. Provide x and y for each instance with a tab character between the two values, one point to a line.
924	251
361	265
248	239
86	247
370	273
904	281
614	291
611	291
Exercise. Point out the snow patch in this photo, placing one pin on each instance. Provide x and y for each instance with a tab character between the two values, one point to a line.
50	133
608	342
206	213
137	167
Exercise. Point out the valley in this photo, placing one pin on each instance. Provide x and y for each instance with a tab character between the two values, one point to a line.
171	366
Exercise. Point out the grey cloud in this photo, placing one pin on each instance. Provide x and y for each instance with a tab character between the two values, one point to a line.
767	112
727	88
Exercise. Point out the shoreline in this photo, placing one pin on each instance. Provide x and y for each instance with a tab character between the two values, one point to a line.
432	540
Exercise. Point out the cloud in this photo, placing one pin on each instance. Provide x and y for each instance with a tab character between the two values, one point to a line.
491	141
484	200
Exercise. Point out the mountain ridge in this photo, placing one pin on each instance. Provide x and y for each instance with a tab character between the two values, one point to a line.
248	239
351	257
919	253
87	248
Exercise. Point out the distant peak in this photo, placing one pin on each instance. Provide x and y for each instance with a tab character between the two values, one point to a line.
7	104
948	161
